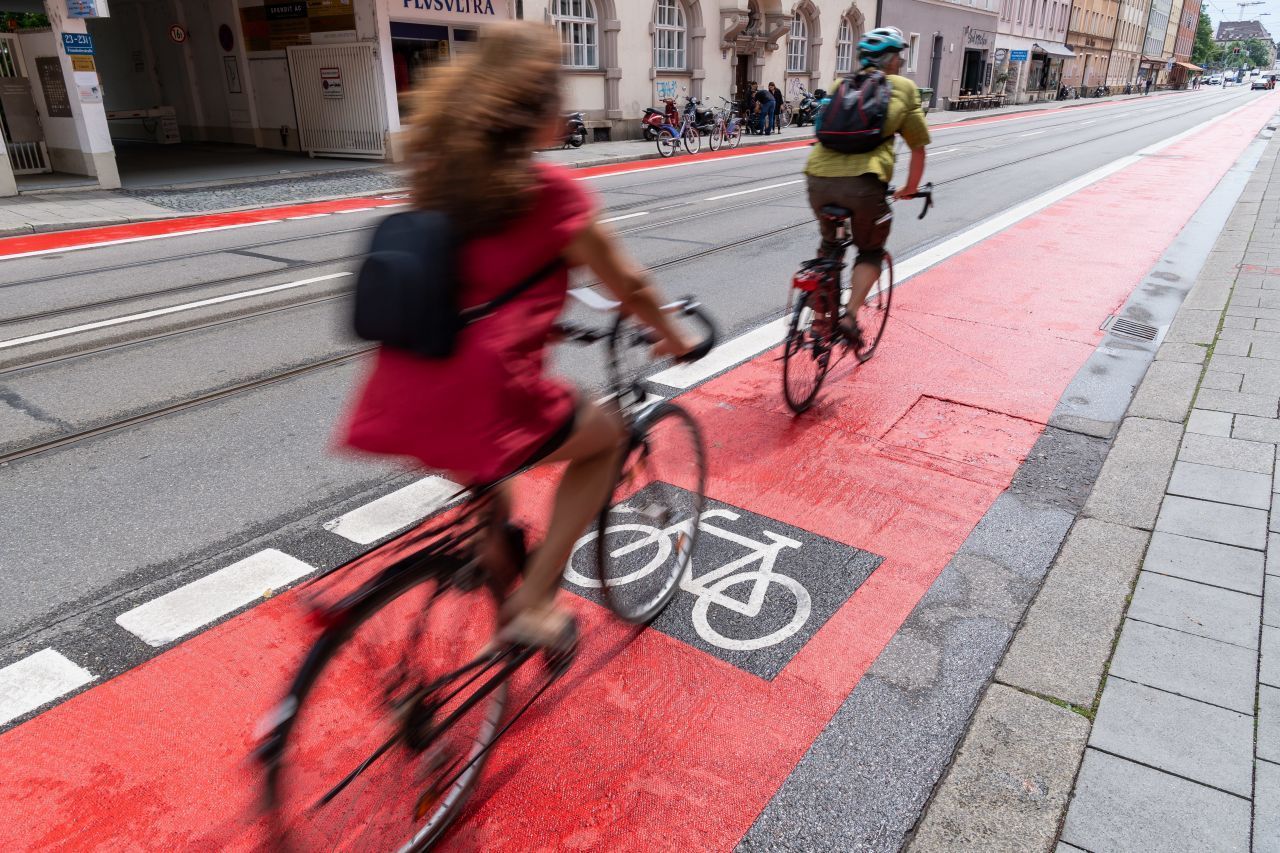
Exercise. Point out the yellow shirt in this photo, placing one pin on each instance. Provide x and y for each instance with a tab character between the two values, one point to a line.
905	117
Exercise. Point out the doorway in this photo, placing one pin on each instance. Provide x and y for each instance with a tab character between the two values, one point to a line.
971	75
742	82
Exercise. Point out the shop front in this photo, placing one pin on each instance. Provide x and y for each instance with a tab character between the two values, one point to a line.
976	67
1027	70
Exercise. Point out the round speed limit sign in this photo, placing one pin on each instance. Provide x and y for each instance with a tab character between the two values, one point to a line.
177	34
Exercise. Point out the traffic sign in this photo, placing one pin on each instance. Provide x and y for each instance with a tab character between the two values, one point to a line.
177	34
1017	56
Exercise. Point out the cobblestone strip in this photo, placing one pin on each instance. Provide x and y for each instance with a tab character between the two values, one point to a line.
1150	659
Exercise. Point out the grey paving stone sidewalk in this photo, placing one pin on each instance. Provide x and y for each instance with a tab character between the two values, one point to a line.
1159	622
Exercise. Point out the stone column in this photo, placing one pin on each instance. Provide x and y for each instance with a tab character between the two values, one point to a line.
94	154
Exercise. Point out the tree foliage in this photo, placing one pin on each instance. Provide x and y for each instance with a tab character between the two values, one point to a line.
1259	55
1204	50
12	21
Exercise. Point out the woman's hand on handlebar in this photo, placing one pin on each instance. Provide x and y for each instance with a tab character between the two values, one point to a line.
674	346
906	193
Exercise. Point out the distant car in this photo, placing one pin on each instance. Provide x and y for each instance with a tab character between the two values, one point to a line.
1213	81
1259	83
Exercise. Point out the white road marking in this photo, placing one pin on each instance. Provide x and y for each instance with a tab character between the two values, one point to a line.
190	607
306	216
756	190
36	679
1032	133
771	334
125	240
1090	121
359	209
726	355
394	512
160	312
933	154
624	216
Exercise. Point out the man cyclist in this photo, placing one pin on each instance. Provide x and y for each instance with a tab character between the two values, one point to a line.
860	182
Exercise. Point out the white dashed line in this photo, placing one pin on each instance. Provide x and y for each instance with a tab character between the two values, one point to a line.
357	210
394	512
191	607
306	216
37	679
624	216
756	190
161	312
1032	133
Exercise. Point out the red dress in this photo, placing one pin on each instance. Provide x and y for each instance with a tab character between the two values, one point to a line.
483	411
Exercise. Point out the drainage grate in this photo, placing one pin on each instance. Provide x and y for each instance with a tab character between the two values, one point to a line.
1131	328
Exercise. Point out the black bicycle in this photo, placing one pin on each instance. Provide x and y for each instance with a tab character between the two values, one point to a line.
815	340
387	726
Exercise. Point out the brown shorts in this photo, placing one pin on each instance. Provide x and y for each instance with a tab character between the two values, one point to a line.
872	217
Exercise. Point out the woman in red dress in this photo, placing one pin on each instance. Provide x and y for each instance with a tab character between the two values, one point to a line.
491	407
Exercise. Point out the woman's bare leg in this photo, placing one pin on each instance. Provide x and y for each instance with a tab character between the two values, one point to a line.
592	450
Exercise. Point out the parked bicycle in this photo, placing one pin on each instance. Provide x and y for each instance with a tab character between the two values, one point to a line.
814	335
728	128
389	722
685	133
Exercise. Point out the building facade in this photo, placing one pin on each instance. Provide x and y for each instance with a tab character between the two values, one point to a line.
329	77
1031	48
1231	31
951	45
1091	36
1153	65
1131	35
1183	68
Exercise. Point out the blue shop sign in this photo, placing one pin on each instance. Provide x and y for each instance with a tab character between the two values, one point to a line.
77	43
82	8
1017	56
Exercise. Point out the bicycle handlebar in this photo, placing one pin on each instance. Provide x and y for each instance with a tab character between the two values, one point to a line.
687	307
925	192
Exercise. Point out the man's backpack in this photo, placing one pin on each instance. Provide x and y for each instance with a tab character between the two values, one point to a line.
853	121
407	289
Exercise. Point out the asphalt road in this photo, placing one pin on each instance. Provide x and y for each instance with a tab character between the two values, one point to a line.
136	505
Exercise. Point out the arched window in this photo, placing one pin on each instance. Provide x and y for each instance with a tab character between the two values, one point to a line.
798	45
844	48
576	21
669	34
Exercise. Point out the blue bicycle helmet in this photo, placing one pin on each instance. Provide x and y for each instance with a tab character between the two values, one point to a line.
880	44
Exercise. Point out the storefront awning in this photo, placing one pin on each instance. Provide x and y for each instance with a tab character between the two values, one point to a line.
1189	66
1054	49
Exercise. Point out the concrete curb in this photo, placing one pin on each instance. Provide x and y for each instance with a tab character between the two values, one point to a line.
1021	754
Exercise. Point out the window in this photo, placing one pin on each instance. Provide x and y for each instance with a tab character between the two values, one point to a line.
1020	4
1044	12
576	20
669	36
844	48
798	45
913	48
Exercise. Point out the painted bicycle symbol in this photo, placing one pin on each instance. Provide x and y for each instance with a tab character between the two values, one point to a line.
755	568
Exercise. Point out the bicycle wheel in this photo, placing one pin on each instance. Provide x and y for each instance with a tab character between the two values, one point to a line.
806	354
716	138
666	143
737	130
649	531
785	116
692	139
363	695
873	313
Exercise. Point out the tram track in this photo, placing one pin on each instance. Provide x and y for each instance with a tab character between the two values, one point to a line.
75	436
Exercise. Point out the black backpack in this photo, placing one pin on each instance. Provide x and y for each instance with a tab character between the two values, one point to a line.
853	121
407	288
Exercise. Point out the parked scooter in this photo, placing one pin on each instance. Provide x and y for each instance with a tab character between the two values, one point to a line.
809	105
704	118
575	132
653	121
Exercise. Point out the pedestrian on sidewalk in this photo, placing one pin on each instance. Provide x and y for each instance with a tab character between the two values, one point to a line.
778	100
767	107
1149	82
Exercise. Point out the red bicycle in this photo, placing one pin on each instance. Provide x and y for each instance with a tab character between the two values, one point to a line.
814	338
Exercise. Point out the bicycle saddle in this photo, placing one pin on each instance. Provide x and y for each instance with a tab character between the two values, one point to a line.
835	212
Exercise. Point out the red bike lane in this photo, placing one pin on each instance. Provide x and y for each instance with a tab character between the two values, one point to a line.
649	740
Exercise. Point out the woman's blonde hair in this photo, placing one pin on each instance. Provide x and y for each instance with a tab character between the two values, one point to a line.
475	123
